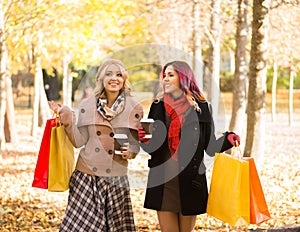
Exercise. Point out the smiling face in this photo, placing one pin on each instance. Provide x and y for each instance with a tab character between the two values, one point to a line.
113	80
171	82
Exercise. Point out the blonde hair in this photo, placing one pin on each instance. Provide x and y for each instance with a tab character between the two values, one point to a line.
99	89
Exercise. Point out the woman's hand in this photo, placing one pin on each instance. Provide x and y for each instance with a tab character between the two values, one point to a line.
141	134
55	107
63	112
233	139
125	151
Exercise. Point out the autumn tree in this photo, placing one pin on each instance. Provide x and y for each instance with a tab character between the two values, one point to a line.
284	48
7	119
214	55
257	81
241	69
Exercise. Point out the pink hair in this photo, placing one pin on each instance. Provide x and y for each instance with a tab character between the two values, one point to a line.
187	79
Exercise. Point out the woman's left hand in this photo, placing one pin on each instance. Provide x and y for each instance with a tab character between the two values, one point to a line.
233	138
125	151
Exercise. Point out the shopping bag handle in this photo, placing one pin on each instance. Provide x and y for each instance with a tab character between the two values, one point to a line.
58	123
55	116
235	148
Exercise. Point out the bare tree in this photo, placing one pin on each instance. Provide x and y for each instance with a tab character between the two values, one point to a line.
257	81
291	94
241	69
7	119
41	110
197	59
274	87
214	55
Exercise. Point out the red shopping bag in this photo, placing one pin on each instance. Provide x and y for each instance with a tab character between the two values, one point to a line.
41	170
258	207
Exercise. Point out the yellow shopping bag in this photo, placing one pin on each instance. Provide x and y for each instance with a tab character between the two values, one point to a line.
229	196
61	160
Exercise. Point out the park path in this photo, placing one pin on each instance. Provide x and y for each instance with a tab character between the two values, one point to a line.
29	209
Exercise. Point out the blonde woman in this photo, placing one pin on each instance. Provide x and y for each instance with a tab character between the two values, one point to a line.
99	197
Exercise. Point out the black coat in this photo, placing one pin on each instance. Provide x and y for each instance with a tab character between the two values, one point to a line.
197	136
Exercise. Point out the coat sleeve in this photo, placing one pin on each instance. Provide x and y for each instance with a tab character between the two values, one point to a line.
157	143
212	143
77	136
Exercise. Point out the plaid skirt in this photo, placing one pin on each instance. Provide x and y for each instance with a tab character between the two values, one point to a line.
98	204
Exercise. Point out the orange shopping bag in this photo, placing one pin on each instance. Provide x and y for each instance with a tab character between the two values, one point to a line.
236	198
258	207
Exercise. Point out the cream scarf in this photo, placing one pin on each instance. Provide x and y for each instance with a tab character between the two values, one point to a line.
111	112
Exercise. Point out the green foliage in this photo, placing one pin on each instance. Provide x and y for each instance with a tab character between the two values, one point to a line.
141	75
297	81
226	81
283	79
142	80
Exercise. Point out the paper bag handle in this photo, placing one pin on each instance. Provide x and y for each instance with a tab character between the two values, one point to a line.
235	148
57	119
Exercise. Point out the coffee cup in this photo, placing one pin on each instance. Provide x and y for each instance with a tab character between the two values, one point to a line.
147	124
119	140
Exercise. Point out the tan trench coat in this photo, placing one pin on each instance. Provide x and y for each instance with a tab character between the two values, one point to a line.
94	135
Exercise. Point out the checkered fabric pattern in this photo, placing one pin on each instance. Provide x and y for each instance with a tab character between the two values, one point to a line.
98	204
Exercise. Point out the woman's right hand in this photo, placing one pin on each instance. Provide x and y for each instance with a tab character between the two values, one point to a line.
141	134
63	112
55	107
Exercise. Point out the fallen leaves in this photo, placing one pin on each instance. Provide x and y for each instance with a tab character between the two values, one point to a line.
24	208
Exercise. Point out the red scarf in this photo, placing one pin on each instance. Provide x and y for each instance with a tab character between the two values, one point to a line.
175	109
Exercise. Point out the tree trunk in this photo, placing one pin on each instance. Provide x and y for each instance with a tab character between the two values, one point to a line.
197	59
214	58
257	82
274	87
2	97
67	82
240	75
3	63
10	129
44	112
38	76
291	94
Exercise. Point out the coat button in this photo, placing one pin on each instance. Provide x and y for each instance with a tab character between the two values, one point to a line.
111	134
108	170
195	167
82	110
97	149
94	169
110	152
98	133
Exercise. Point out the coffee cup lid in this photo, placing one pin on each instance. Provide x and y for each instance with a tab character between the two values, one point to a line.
147	120
120	136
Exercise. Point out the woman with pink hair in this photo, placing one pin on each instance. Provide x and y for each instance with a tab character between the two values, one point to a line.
183	130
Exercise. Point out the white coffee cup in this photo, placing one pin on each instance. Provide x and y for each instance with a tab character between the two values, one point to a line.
147	124
120	139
